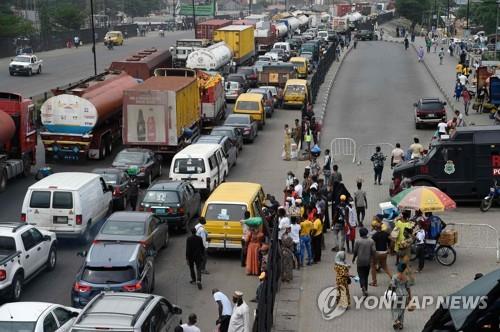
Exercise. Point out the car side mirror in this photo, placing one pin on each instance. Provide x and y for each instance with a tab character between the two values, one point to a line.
415	104
82	253
176	310
47	238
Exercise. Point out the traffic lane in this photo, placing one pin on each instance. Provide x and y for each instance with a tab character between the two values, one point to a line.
68	65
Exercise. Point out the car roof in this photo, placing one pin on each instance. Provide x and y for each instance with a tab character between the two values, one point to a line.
238	116
11	227
238	191
23	311
197	150
130	216
112	253
165	185
210	139
223	128
115	310
430	100
109	170
250	97
64	181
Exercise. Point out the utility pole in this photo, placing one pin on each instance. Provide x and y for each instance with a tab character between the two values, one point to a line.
467	24
448	17
194	18
249	7
435	15
496	31
93	34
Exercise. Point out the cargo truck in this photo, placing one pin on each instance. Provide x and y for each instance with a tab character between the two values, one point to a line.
205	30
163	114
83	120
264	40
241	40
276	75
213	58
184	47
213	103
18	137
142	64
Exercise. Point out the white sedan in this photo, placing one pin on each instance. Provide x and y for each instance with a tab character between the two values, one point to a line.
36	317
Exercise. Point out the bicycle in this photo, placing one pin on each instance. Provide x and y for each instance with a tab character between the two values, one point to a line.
443	254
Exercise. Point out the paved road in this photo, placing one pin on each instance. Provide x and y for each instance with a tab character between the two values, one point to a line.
65	66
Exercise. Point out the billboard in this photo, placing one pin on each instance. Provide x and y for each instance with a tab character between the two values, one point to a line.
201	9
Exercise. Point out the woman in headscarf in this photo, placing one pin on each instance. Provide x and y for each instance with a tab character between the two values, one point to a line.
254	240
288	260
342	279
401	296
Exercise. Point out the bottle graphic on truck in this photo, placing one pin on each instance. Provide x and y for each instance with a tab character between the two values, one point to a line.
141	127
151	129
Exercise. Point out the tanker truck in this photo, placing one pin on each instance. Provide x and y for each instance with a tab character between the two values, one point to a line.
213	58
17	137
83	120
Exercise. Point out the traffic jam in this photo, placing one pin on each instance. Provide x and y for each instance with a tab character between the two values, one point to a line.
176	121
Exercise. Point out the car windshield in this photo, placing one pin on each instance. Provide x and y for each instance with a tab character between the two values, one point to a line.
108	275
237	120
298	63
120	227
244	105
17	326
295	89
110	178
157	196
130	158
189	166
232	85
225	212
431	106
22	59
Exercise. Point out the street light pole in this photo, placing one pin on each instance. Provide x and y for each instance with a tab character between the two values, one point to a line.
93	34
194	18
496	31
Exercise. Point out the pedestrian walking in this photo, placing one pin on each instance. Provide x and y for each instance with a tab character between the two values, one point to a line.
364	252
402	231
316	238
428	44
337	53
463	56
420	54
340	218
382	245
463	79
458	90
441	55
442	127
401	296
350	229
416	149
460	119
288	260
240	318
244	235
224	308
407	43
314	167
378	165
327	166
458	69
466	99
295	235
397	156
194	256
283	222
420	244
297	133
202	233
360	203
435	43
254	240
306	227
342	280
190	326
133	190
481	97
287	143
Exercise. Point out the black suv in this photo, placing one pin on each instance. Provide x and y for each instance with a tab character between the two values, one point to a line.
366	35
113	266
429	111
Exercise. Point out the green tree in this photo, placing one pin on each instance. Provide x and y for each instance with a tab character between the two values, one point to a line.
12	25
140	8
413	9
67	16
480	14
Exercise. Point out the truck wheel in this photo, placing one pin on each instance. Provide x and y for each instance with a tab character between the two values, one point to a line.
52	259
16	288
102	151
26	167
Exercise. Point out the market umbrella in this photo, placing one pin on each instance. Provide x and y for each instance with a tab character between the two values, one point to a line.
426	199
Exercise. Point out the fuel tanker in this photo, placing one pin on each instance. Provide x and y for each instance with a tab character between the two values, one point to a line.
211	58
83	120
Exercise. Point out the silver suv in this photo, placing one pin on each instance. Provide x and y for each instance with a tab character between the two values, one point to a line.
128	312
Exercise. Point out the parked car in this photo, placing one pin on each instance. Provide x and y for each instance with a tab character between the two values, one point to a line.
27	64
113	266
245	123
173	202
138	227
268	100
119	180
429	111
240	78
234	134
230	150
233	90
24	252
36	317
251	75
144	159
127	312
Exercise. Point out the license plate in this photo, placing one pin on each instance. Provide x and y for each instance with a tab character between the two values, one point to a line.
160	211
60	220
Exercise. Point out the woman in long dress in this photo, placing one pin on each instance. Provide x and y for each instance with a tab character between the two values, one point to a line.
342	279
402	295
288	260
288	143
254	240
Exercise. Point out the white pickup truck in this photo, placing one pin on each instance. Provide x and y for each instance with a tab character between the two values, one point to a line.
24	252
25	64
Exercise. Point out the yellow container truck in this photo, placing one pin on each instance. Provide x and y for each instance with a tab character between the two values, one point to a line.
240	38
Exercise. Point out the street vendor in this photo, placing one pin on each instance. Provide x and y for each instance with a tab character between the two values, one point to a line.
435	227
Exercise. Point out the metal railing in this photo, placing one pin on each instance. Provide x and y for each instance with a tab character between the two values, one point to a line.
323	66
369	149
343	146
478	236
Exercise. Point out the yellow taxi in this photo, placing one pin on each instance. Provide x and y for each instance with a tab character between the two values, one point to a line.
253	105
114	37
296	93
302	66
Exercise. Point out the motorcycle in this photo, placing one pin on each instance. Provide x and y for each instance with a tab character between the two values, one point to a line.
493	195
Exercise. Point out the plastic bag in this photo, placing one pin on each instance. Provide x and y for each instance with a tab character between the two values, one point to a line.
253	222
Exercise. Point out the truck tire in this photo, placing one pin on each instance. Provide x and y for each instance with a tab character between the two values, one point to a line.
109	146
102	151
26	167
16	288
52	259
3	181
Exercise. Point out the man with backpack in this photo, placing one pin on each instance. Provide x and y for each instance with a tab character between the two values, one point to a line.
436	226
340	218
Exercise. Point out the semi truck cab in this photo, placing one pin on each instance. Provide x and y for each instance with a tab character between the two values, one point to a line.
463	166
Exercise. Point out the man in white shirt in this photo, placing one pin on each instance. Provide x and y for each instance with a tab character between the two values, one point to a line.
460	118
420	242
298	188
201	232
240	319
225	309
442	127
463	79
397	155
190	326
283	222
295	235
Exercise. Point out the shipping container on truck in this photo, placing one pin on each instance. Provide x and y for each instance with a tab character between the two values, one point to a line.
241	40
18	137
264	40
83	120
276	75
142	64
163	114
205	30
213	102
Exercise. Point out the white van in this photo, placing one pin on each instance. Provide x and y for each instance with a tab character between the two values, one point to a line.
204	165
284	46
67	203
